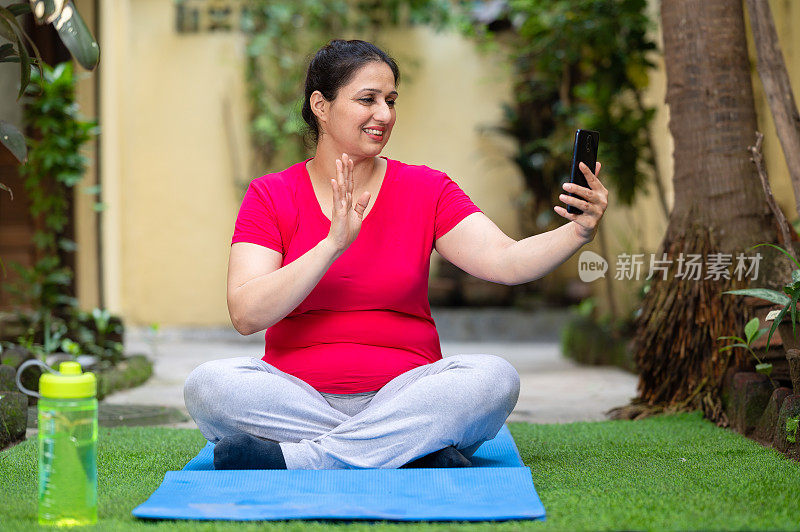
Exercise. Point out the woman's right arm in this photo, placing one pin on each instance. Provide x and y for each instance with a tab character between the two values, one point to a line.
261	293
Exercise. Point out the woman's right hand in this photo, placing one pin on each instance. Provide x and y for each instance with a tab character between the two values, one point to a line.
346	217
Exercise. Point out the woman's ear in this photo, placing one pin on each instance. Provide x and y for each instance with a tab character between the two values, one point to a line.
319	106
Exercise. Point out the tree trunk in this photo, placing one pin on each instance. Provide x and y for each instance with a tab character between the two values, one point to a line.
775	78
719	208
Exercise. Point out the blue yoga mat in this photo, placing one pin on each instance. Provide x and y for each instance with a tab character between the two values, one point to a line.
497	487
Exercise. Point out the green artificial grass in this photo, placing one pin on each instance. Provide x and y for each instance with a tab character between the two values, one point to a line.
677	472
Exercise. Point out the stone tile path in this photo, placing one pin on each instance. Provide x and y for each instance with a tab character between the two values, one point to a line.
553	388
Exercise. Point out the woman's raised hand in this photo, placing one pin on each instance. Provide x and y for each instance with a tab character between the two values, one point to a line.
346	217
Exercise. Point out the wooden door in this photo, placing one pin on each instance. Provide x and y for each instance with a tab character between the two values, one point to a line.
16	224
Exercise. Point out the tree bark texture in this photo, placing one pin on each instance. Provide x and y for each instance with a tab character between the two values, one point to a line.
719	208
775	78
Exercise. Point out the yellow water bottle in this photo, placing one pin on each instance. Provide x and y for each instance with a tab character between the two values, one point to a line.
67	445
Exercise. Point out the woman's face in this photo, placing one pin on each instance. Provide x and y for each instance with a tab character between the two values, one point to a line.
365	103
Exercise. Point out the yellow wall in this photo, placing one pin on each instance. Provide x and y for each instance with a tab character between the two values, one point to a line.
86	259
442	104
166	164
168	168
638	228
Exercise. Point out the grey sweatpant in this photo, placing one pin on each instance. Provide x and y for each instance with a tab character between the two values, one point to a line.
460	400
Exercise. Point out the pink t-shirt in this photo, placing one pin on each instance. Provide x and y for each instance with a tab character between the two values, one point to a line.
368	319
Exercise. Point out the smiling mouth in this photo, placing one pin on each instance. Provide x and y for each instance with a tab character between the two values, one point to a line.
373	133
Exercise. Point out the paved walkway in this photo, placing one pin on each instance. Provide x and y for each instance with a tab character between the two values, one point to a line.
553	388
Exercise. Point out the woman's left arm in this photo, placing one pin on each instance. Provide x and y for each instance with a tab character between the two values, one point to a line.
538	255
480	248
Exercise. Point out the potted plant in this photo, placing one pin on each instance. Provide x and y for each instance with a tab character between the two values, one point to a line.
784	314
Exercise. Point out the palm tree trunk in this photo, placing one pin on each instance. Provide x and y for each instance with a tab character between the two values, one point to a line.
775	78
719	208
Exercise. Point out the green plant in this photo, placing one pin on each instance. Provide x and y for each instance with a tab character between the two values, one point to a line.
55	165
95	333
576	64
752	333
41	288
91	333
597	340
788	298
792	424
72	31
70	347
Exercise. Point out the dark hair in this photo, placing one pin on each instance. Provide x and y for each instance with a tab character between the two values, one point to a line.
332	67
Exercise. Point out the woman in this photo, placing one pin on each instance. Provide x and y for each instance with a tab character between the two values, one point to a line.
353	375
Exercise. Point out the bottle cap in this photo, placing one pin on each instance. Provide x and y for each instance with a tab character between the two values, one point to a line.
69	383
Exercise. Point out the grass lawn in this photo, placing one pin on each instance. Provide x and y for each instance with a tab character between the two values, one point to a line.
669	472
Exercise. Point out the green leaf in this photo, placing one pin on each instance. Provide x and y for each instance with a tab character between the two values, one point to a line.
14	32
9	31
67	245
76	37
772	296
796	276
764	368
45	11
9	16
6	31
14	140
751	329
6	50
19	9
732	346
792	425
779	249
793	304
730	338
759	334
775	323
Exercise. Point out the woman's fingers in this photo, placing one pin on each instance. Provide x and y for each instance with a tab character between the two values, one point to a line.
347	182
338	195
575	202
350	181
335	188
361	204
564	212
350	184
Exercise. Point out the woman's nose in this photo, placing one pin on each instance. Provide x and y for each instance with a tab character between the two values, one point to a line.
384	112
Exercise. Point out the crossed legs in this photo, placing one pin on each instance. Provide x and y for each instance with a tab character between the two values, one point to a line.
460	400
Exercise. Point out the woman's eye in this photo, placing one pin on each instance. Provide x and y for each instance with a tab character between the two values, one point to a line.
390	103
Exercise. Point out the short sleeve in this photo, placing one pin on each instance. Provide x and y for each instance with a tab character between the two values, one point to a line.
453	206
256	222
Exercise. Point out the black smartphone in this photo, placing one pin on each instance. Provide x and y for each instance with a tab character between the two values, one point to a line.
584	151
